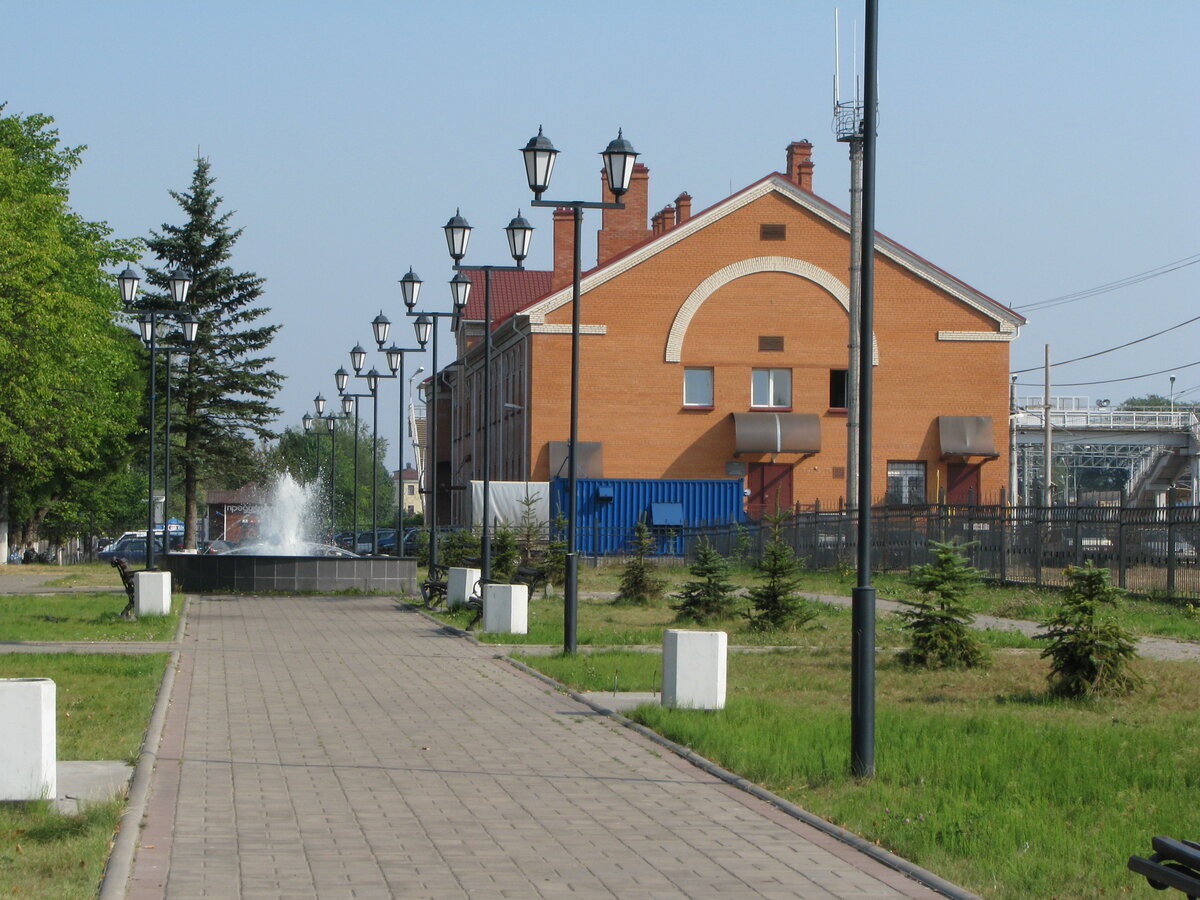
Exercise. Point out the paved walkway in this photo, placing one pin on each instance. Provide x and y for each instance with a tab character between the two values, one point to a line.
331	748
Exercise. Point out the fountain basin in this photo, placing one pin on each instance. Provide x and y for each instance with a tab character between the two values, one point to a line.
290	574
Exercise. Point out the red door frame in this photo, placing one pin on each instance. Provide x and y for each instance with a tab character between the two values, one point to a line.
962	483
770	488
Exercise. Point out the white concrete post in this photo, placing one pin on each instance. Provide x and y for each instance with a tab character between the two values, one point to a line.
694	664
506	608
459	585
152	593
29	749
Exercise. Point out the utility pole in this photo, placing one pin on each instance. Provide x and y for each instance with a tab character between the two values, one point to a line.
1047	441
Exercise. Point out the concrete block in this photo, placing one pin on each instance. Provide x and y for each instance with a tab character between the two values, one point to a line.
460	584
29	750
694	666
506	608
152	593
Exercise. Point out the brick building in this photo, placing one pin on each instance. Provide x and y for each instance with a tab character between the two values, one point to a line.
715	345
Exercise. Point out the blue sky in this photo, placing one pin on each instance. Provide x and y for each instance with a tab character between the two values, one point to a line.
1032	149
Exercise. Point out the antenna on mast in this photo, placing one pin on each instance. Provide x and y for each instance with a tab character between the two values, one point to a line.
847	114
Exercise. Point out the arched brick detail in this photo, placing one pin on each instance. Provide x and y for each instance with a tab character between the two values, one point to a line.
714	282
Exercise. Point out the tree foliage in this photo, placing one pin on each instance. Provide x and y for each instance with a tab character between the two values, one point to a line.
939	625
71	390
709	597
1090	653
227	386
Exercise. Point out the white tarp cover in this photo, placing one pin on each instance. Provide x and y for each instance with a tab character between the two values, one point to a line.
508	502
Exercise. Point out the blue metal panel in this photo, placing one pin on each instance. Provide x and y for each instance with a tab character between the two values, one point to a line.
609	508
666	514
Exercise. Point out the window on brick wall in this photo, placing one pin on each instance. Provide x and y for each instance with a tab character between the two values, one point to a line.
837	389
772	232
771	388
905	482
698	387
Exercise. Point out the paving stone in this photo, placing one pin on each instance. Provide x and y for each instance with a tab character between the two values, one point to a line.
339	747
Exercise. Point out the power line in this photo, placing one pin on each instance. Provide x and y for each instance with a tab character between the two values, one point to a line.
1127	281
1110	349
1117	380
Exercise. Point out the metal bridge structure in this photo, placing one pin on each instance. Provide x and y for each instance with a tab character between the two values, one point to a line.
1159	449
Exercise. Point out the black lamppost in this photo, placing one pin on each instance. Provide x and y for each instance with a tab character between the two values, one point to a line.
179	281
381	326
458	233
619	158
342	378
318	426
426	325
862	624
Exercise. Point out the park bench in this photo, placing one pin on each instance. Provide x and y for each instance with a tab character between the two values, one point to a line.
434	587
532	576
1175	864
127	582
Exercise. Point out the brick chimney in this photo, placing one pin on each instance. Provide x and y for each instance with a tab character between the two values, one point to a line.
800	165
622	228
564	248
664	220
683	208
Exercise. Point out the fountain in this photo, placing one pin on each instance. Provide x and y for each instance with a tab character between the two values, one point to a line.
284	558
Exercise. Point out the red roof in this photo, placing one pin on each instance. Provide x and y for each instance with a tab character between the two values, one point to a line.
511	292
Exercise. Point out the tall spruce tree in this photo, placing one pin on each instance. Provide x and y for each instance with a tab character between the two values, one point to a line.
227	384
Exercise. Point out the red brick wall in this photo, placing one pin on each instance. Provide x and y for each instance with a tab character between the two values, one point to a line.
632	399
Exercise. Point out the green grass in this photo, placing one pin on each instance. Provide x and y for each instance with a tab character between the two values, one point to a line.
104	703
80	617
601	623
981	777
54	857
605	624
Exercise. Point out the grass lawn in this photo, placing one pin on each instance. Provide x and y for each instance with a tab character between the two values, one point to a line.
104	703
981	777
80	617
600	622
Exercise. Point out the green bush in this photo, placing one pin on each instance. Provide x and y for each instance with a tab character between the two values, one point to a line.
1090	653
939	624
458	548
505	554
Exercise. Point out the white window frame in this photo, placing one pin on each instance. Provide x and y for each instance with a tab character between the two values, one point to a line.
902	473
775	378
688	401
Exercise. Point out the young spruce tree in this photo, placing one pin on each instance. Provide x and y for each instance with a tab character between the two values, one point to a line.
710	597
939	624
775	604
1090	653
227	385
638	584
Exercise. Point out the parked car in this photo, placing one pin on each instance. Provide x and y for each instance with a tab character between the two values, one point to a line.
366	541
131	548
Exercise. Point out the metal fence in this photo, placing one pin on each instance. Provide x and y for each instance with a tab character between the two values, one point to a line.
1148	550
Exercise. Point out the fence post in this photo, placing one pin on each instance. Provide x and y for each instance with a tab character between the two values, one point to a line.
1171	543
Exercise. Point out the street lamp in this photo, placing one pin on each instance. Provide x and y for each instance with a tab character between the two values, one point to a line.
381	327
425	327
179	281
458	233
350	402
619	158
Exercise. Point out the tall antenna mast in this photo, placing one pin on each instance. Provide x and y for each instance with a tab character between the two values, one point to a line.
837	60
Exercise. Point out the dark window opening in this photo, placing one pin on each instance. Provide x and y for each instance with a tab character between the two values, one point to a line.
837	389
772	232
770	342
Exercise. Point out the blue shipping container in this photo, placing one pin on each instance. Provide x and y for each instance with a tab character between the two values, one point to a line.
609	508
